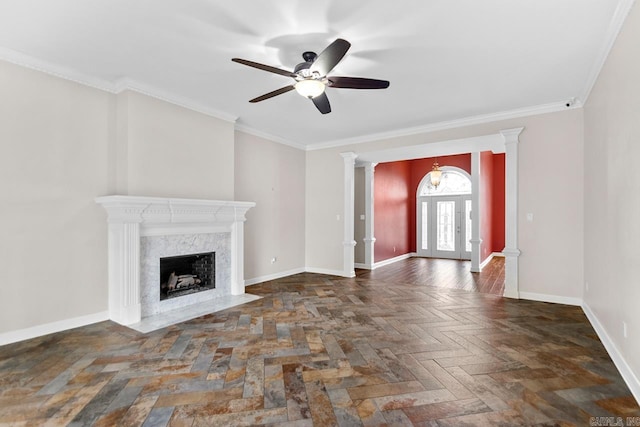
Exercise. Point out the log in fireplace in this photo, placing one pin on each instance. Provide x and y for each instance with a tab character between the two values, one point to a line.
187	274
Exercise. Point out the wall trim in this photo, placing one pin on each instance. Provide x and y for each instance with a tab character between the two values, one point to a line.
115	87
618	359
484	263
269	137
324	271
52	327
493	142
27	61
492	255
392	260
555	299
171	98
120	85
615	26
274	276
451	124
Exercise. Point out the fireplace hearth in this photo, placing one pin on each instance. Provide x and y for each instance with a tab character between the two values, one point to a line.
187	274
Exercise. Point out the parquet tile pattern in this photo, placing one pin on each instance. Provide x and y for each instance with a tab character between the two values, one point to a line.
321	350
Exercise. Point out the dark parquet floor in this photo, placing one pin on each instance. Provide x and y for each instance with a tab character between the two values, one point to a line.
388	347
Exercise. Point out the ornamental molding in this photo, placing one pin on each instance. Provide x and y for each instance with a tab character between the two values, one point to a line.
161	210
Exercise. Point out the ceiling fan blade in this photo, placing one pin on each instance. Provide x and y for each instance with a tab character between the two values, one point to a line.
356	83
264	67
272	94
330	57
322	103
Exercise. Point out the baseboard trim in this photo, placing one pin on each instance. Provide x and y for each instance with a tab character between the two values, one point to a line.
511	294
556	299
392	260
361	266
324	271
625	370
492	255
268	277
50	328
484	263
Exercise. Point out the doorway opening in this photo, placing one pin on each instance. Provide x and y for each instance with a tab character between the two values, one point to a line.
444	215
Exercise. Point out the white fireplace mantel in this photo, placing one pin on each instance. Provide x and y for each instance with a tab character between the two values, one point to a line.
131	217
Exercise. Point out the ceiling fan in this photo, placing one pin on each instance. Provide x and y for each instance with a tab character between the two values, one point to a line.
311	76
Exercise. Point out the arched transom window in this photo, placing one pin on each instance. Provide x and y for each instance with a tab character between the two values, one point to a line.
454	181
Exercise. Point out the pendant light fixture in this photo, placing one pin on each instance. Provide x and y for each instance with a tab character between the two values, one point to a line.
436	174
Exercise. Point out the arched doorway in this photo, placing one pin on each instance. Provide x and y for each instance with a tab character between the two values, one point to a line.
443	217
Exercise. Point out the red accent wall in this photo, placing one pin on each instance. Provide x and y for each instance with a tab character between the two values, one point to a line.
492	203
419	168
392	200
498	202
396	185
486	203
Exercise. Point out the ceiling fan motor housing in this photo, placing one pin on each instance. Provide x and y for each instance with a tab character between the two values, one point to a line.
308	57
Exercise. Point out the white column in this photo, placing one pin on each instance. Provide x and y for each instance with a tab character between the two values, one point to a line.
237	257
348	242
124	272
369	237
511	251
476	240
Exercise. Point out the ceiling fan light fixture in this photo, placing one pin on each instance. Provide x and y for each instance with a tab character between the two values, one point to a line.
310	88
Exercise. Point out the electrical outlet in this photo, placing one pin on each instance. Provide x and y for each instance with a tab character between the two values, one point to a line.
338	217
624	329
586	286
274	259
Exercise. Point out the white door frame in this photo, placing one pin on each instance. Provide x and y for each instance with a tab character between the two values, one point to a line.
419	200
431	226
506	141
458	200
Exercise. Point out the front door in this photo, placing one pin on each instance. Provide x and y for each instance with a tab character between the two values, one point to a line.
444	226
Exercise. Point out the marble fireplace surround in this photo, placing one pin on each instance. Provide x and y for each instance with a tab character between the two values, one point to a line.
143	228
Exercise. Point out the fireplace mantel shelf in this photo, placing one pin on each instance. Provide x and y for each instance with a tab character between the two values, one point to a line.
131	217
160	210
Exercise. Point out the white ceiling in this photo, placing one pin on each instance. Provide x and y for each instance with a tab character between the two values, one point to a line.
449	61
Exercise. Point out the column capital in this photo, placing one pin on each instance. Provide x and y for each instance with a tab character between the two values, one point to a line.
349	156
511	135
370	166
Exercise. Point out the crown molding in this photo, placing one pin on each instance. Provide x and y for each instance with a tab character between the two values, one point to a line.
115	87
251	131
124	84
451	124
27	61
615	26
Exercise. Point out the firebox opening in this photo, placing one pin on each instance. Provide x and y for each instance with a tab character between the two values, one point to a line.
187	274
